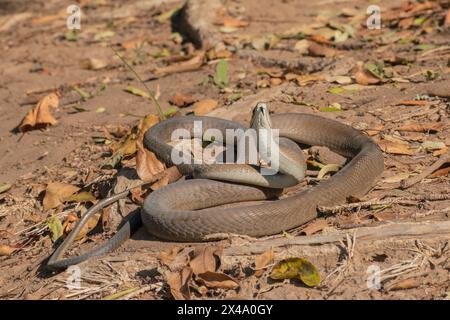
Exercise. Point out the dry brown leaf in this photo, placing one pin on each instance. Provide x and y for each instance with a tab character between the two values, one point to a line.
6	250
315	226
182	99
217	280
170	175
134	43
395	147
364	77
425	127
404	284
317	50
147	165
319	39
205	106
56	193
441	172
146	123
71	220
440	152
190	65
413	103
206	259
179	283
168	257
262	261
93	64
234	23
306	79
40	115
275	81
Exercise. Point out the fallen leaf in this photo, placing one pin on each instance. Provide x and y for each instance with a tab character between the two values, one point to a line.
137	92
425	127
397	178
146	123
262	261
165	16
40	115
441	172
301	46
297	268
404	284
433	145
306	79
365	77
217	280
440	152
84	196
182	100
204	107
170	175
339	79
190	65
5	187
317	50
134	43
331	108
206	259
236	23
221	76
314	227
327	169
179	283
6	250
147	164
395	147
57	193
89	226
55	227
93	64
168	257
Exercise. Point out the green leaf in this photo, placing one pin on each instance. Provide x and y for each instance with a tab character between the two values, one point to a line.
297	268
332	108
167	15
55	227
104	35
171	111
137	92
85	95
423	47
336	90
71	35
221	77
328	168
84	196
5	187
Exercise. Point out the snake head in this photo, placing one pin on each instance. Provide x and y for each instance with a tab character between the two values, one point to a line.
260	117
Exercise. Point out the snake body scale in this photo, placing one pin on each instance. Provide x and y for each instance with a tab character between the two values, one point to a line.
187	210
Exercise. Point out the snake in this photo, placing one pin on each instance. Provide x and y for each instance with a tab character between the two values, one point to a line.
192	210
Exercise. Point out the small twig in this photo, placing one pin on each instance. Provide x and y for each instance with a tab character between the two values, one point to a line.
155	101
406	183
410	201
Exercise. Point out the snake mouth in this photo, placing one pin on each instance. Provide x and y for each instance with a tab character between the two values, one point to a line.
260	117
